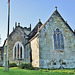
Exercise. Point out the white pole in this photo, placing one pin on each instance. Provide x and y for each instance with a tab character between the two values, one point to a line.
7	61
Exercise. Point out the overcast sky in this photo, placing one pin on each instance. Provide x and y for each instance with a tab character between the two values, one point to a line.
30	11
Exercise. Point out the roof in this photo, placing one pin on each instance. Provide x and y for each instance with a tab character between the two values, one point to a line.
40	25
35	30
56	11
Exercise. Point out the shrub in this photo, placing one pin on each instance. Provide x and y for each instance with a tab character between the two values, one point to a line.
25	66
12	65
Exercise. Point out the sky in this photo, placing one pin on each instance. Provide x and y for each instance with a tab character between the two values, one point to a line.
30	11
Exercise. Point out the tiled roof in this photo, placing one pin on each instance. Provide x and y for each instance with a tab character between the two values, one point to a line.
34	31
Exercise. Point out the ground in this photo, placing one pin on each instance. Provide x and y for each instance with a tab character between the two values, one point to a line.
17	71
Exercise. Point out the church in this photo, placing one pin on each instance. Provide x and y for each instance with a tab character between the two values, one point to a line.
48	45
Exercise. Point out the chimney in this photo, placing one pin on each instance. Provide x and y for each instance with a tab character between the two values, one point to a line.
15	24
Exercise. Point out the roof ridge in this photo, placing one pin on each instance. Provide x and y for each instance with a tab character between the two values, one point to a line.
47	20
35	26
61	18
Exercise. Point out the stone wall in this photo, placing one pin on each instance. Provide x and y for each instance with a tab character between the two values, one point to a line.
46	44
35	52
16	35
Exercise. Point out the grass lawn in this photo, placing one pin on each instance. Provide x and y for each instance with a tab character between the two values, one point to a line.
16	71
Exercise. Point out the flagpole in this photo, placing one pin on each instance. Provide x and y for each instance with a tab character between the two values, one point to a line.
7	59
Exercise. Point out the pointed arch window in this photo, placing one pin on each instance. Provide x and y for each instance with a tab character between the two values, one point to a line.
15	52
18	51
58	40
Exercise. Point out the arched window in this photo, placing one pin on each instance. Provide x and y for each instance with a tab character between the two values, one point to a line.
18	51
15	52
58	40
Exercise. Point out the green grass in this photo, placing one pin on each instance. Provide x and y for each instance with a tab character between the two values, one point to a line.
17	71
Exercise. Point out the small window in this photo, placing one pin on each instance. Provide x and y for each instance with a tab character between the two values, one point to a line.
64	63
54	63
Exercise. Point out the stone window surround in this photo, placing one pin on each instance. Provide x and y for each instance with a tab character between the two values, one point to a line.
20	45
62	50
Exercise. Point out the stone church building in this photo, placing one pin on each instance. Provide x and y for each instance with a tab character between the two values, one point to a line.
17	52
48	45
